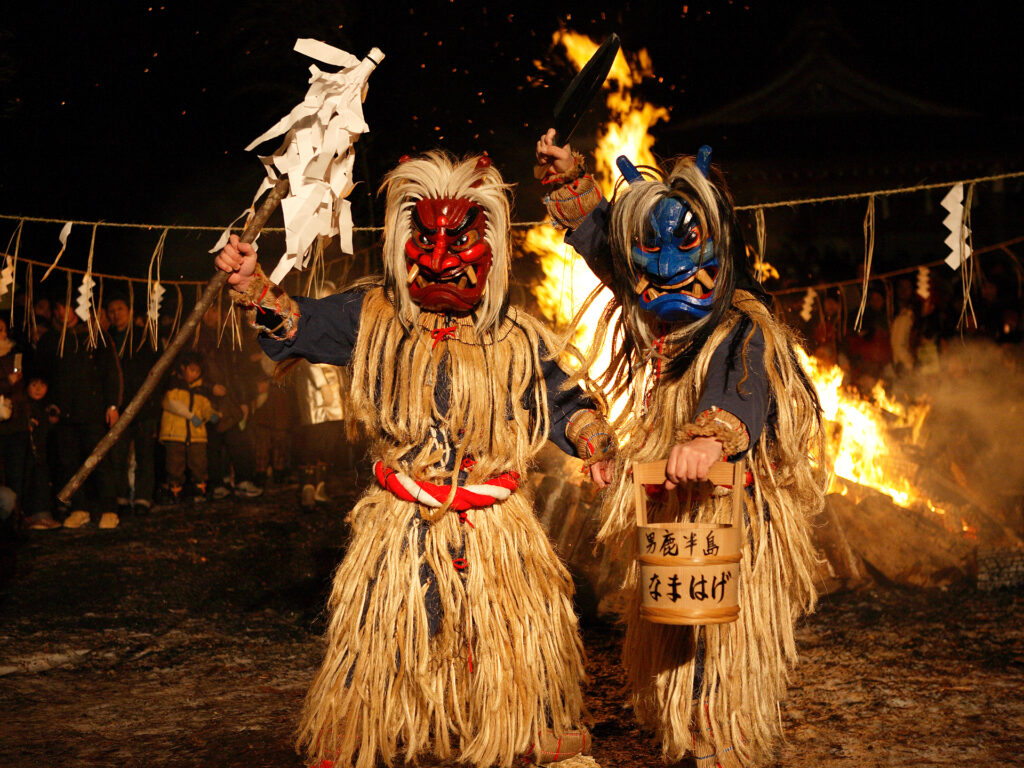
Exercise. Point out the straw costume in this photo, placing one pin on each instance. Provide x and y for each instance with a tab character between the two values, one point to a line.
452	630
699	354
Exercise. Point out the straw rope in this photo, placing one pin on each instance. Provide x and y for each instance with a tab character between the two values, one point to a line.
759	209
14	261
110	277
525	224
762	234
1003	246
869	254
879	192
91	310
967	269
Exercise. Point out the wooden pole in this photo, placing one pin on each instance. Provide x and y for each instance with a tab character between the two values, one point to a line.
213	288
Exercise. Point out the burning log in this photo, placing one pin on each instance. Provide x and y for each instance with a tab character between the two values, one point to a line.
993	529
902	545
840	567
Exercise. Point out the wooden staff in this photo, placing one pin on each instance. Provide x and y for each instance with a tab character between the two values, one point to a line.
213	288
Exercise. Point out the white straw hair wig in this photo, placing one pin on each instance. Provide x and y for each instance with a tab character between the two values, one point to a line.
438	174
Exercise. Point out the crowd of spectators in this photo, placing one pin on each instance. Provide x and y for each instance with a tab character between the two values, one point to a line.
223	423
902	336
217	425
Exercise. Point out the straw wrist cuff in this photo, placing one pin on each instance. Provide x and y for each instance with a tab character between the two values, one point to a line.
723	427
591	436
571	203
271	310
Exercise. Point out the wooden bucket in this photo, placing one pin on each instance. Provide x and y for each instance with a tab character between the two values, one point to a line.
689	572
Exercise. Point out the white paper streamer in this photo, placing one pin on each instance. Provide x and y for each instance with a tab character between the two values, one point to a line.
956	240
808	307
156	297
6	277
63	237
10	263
924	282
83	306
317	153
226	234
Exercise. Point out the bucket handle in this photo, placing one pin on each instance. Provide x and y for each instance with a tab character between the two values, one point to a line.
721	473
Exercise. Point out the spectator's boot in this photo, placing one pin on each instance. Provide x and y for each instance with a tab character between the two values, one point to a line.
246	489
307	497
320	493
109	519
41	521
77	519
199	496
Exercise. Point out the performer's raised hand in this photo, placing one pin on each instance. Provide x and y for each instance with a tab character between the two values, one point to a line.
239	260
601	472
551	157
689	462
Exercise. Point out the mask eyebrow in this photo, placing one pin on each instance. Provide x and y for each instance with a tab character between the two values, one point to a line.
466	223
418	223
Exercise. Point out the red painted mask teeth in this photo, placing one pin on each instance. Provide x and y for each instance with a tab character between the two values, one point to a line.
447	255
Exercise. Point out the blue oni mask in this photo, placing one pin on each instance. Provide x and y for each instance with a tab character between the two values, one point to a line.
676	265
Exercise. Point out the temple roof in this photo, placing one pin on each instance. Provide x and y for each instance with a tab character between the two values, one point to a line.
818	85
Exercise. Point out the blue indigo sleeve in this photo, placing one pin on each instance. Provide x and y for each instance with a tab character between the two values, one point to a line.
590	240
737	381
326	332
562	404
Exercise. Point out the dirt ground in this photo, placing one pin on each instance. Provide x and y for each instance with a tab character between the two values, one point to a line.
188	638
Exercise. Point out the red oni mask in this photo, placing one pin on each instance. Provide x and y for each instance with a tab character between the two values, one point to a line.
447	256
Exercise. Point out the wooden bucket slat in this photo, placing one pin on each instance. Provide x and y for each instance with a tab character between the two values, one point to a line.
710	616
721	473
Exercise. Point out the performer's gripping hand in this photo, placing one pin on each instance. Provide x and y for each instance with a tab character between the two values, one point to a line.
601	472
689	462
238	259
551	157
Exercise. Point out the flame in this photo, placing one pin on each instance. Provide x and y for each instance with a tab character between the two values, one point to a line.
630	118
764	270
859	441
567	278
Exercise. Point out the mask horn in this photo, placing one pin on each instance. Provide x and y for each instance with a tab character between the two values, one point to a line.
482	164
628	170
704	160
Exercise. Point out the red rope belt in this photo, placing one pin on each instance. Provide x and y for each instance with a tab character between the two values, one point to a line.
484	494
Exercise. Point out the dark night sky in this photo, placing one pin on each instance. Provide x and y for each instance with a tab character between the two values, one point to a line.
131	111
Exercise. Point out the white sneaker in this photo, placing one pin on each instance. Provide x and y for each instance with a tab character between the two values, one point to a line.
308	500
321	492
248	490
77	519
42	521
221	491
109	520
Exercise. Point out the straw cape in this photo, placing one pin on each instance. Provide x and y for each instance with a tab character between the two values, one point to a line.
446	635
452	631
704	361
713	691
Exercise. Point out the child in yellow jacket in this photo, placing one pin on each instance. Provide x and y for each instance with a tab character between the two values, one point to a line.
187	407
